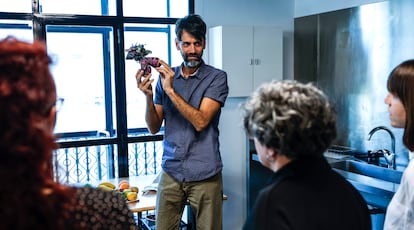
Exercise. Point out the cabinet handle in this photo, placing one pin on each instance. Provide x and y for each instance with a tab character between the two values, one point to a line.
251	61
256	61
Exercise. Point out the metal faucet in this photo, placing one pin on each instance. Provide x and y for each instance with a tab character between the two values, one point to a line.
389	156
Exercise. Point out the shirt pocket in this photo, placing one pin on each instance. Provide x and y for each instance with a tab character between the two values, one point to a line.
171	152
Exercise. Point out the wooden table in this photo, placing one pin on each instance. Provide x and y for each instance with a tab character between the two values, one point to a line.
144	202
147	202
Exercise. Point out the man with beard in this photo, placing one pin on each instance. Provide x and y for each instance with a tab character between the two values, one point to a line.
188	99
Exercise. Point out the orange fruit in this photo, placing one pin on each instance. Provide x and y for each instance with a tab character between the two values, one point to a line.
123	181
124	185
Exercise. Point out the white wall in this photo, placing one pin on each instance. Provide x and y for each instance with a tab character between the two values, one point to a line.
277	13
310	7
234	154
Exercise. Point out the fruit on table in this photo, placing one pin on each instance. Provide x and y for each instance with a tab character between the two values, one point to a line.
126	191
108	184
122	181
132	196
123	185
87	185
134	189
105	188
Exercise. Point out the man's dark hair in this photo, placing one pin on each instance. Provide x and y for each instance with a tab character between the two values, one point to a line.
192	24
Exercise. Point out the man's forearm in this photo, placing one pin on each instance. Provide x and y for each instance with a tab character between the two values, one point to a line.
193	115
151	116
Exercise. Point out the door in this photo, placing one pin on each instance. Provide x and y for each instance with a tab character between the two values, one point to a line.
268	54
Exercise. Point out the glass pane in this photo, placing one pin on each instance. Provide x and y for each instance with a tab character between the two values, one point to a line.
145	8
162	46
89	7
17	28
179	8
78	70
176	58
17	6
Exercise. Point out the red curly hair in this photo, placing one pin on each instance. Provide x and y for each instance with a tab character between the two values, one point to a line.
30	199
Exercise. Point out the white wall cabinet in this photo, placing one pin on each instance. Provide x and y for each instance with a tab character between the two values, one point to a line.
249	55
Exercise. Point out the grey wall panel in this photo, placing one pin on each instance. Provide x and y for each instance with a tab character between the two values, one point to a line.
355	50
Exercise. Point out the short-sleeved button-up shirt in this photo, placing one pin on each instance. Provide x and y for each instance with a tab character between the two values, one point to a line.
190	155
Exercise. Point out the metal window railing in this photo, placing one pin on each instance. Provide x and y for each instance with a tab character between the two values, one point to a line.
85	164
145	158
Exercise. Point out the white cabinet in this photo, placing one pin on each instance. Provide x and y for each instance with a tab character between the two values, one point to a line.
249	55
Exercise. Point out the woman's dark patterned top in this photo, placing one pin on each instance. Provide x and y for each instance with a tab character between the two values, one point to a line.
98	209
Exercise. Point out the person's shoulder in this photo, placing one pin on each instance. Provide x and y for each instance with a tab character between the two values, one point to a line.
406	179
410	167
214	74
98	195
108	208
210	68
97	191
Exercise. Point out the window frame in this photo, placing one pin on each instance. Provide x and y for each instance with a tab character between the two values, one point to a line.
118	136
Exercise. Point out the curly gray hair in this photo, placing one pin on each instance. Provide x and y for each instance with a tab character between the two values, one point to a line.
293	118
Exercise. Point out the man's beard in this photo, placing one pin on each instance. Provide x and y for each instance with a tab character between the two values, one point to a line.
192	63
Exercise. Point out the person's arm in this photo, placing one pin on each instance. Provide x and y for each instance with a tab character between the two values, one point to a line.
153	116
199	118
153	113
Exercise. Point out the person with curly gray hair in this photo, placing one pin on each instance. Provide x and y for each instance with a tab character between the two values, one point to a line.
292	124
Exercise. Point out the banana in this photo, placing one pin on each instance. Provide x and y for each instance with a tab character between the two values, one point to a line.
108	184
105	188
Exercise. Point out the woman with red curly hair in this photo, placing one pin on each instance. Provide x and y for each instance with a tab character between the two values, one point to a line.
30	198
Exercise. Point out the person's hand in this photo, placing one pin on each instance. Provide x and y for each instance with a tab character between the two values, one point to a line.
167	76
144	82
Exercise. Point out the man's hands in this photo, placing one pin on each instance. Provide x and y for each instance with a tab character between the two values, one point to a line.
198	117
144	82
153	113
166	74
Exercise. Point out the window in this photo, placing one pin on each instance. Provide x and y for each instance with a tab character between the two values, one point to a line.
131	8
21	29
101	127
23	6
156	8
79	70
90	7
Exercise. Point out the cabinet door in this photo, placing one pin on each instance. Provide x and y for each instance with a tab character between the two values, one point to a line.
268	54
249	55
231	49
238	59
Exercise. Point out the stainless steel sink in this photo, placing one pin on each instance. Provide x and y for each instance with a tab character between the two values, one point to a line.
376	184
368	170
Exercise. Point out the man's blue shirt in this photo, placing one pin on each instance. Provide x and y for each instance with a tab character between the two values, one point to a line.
190	155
